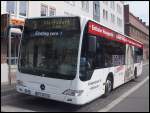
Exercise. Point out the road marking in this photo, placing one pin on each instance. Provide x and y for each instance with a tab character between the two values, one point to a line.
8	108
121	98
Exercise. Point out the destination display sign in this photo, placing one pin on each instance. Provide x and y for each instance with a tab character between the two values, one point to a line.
65	23
36	33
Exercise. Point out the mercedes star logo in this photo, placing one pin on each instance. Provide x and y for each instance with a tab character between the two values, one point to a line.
42	87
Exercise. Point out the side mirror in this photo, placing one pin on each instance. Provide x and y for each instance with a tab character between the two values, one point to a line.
92	44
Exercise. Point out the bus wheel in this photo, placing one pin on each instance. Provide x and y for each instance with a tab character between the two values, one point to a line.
135	74
108	86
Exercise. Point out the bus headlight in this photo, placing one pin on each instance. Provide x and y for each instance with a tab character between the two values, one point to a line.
71	92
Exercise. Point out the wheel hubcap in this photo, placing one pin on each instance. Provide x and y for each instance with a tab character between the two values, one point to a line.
109	85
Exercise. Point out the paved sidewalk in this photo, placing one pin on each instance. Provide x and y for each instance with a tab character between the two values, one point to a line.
7	89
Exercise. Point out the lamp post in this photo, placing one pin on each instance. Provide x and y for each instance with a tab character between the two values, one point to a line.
9	56
9	49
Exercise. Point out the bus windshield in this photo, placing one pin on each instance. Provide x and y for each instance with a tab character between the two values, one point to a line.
49	47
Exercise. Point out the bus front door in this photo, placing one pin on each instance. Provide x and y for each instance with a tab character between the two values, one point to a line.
129	72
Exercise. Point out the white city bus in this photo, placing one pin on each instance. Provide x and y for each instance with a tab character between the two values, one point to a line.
74	59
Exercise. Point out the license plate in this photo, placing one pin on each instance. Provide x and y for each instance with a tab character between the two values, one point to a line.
42	94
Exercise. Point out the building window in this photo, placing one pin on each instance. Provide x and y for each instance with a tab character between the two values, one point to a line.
96	8
52	11
11	6
71	2
105	14
112	5
141	34
112	18
44	10
119	9
119	22
135	32
96	11
23	8
85	5
131	29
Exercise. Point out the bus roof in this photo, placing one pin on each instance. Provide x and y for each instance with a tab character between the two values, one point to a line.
84	17
114	30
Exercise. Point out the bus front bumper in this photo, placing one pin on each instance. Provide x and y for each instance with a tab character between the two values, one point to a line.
58	97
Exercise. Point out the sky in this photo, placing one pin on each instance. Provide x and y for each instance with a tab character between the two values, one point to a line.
140	9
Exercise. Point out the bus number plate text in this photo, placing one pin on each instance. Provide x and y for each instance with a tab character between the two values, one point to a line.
42	94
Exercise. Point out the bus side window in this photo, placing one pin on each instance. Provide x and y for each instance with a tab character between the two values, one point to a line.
138	55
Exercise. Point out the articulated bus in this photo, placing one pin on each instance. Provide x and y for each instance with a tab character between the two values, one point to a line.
74	59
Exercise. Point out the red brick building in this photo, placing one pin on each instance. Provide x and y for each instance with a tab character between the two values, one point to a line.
135	28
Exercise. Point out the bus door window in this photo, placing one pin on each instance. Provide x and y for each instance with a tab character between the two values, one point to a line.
138	55
87	58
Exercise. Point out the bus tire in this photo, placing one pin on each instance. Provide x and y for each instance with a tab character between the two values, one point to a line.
108	86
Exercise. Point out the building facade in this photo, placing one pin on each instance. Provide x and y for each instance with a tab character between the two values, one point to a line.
112	15
108	13
135	28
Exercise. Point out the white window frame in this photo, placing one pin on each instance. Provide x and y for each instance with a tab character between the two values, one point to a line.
112	5
15	8
119	9
105	14
119	22
95	10
52	9
112	18
25	9
46	6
